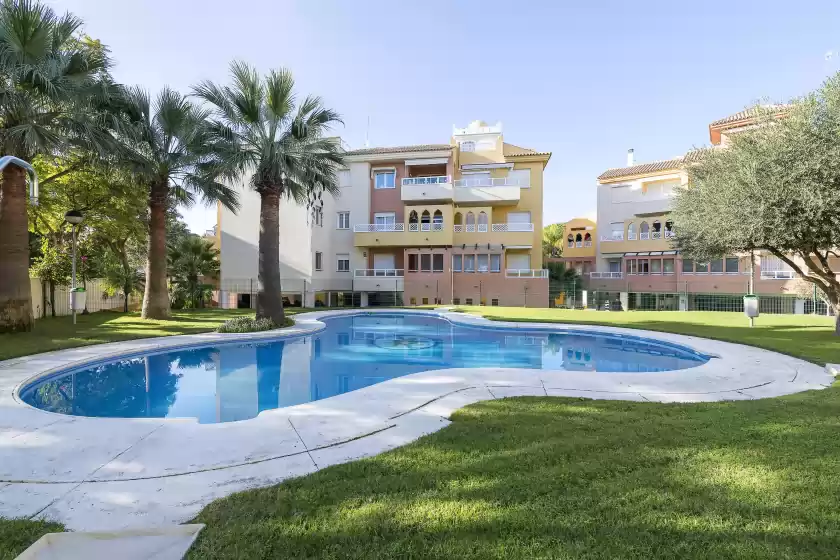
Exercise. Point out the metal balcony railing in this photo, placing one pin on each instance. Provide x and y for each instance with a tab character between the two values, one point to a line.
440	179
512	227
525	273
606	275
778	275
438	226
616	236
364	228
489	182
379	272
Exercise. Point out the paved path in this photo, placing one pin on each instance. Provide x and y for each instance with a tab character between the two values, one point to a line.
114	473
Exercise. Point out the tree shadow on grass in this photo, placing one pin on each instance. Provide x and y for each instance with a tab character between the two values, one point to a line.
566	478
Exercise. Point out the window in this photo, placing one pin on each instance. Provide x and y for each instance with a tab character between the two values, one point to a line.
495	263
425	262
631	231
467	146
384	221
469	263
384	179
425	301
617	231
343	220
732	265
437	218
668	266
319	260
702	268
687	266
437	262
456	301
571	241
468	301
643	266
494	302
343	263
456	263
716	266
655	266
412	262
631	266
412	301
482	263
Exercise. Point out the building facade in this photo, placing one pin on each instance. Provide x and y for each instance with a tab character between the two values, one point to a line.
637	266
450	223
580	243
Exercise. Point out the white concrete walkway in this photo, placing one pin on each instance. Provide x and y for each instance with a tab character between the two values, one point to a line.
112	473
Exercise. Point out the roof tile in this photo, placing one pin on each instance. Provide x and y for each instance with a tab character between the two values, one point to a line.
398	149
750	113
652	167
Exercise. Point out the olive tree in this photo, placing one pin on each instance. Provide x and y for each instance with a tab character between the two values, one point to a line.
776	188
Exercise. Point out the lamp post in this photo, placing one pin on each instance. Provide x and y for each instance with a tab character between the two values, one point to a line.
74	218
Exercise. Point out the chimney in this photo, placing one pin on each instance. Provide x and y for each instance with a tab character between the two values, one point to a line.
630	158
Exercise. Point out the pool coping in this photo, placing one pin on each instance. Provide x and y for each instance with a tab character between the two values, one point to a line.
65	467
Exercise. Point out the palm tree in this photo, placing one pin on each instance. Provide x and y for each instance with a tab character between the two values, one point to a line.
261	131
191	261
174	157
53	89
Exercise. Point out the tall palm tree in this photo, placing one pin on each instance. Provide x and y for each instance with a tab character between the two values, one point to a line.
261	131
174	158
54	86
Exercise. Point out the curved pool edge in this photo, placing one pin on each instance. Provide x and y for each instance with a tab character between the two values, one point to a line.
124	472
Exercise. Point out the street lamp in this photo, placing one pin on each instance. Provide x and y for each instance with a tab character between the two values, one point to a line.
74	218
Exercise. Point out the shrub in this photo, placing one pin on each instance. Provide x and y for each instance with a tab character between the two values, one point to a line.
246	324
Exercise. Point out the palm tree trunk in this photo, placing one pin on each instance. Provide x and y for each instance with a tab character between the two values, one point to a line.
15	292
270	296
156	296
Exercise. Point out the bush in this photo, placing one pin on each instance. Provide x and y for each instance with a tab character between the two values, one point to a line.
246	324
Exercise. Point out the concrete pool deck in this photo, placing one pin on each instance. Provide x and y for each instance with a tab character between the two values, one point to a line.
117	473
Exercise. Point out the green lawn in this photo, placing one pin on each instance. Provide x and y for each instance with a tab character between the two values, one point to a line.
571	478
96	328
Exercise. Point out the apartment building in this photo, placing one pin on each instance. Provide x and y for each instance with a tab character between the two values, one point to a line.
450	223
579	245
637	266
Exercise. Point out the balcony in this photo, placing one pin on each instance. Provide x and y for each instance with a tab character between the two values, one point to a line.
505	234
615	236
427	189
603	275
378	280
511	227
525	273
438	226
401	235
778	275
488	191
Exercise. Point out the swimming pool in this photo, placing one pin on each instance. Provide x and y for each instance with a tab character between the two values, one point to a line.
236	381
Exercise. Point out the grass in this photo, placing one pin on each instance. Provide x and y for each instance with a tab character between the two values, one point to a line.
805	336
565	478
59	333
17	534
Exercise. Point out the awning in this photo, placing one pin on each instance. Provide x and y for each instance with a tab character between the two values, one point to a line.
670	252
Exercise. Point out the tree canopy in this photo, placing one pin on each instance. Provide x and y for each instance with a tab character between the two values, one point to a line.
773	188
552	243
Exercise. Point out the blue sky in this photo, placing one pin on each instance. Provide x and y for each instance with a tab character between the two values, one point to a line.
584	80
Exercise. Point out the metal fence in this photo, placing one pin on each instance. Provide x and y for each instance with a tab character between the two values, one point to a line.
670	301
97	299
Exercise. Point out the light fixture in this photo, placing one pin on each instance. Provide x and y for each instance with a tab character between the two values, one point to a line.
73	217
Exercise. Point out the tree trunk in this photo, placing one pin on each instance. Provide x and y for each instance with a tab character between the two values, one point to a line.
127	287
156	296
15	291
52	298
270	296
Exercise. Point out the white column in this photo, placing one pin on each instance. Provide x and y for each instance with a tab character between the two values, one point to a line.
584	298
364	299
683	302
799	307
624	298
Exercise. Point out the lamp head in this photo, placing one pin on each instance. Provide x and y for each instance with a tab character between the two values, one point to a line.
74	217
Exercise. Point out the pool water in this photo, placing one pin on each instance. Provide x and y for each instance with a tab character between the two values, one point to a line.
237	381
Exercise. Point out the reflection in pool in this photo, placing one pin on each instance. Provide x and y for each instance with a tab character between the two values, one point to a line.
237	381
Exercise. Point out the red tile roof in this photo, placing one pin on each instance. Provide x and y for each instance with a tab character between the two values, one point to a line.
750	113
652	167
399	149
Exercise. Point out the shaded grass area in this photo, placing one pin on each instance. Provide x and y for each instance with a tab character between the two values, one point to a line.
59	332
566	478
805	336
17	534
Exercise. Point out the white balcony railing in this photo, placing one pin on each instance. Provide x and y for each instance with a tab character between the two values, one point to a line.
656	235
363	228
670	234
587	243
616	236
379	272
778	275
606	275
525	273
438	226
644	236
512	227
489	182
440	179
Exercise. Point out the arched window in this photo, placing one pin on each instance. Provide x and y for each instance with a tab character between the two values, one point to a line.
669	229
467	146
438	217
587	240
470	218
482	221
571	241
412	217
578	240
425	218
657	225
459	219
631	231
644	231
657	230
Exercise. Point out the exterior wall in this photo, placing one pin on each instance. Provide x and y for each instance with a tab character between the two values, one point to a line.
582	226
387	200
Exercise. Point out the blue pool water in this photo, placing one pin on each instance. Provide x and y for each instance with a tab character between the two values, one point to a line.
237	381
